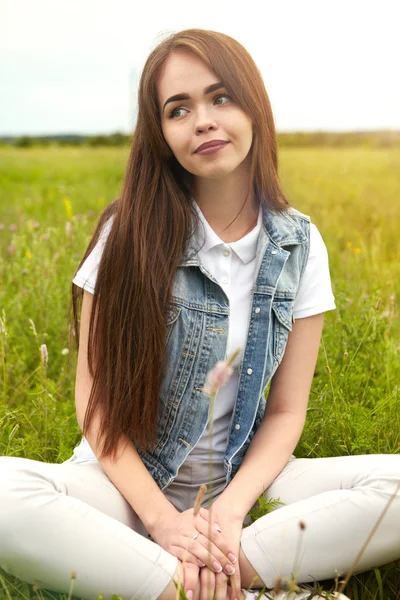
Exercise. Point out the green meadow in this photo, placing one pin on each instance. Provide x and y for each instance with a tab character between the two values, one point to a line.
50	200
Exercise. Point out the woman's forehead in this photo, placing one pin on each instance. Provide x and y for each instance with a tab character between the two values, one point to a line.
183	72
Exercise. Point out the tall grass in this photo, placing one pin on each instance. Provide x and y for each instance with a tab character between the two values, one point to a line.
49	203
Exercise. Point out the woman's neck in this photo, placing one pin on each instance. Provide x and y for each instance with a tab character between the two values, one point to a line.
226	209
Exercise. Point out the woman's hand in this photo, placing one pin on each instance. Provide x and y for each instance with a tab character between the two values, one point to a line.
228	538
176	535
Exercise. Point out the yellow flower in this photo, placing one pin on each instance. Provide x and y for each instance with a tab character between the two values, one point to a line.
349	245
28	254
68	207
357	250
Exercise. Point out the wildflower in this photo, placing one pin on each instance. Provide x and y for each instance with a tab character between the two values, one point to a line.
346	354
35	225
68	228
357	250
199	498
349	245
218	376
28	254
68	207
12	227
45	236
32	326
3	329
64	351
11	248
44	353
73	574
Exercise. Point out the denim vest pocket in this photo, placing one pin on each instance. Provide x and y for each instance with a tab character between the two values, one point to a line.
172	315
185	330
282	325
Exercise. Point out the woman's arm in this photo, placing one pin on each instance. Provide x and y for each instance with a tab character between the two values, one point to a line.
127	473
283	421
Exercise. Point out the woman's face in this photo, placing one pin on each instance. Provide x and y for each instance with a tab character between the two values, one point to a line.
188	123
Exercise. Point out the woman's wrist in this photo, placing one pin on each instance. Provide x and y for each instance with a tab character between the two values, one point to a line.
163	511
236	513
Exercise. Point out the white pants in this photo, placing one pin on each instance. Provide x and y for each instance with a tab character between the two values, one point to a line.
58	518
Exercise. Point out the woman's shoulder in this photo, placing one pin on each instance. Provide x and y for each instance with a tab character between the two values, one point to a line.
293	212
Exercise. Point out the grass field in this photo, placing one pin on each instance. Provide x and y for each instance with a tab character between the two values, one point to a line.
50	200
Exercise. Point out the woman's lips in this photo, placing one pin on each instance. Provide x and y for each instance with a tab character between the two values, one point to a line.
212	149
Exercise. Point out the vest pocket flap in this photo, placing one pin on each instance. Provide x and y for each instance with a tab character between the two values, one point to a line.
284	312
173	313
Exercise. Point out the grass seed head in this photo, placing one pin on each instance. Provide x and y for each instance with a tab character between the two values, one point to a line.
45	355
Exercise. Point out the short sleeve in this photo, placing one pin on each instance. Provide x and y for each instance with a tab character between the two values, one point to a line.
315	294
86	276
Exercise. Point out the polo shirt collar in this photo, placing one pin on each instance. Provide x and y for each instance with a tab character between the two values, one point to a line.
245	248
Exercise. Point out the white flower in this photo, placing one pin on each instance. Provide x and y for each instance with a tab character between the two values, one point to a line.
44	353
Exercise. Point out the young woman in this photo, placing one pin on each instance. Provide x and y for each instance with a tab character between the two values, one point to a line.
200	255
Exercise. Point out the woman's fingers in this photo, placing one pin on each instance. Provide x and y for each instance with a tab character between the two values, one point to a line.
213	585
221	586
207	584
184	555
235	584
205	550
190	579
213	533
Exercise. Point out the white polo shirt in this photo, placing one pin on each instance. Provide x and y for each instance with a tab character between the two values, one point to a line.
233	266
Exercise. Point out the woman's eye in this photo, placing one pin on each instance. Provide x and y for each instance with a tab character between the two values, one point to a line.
222	96
175	110
172	113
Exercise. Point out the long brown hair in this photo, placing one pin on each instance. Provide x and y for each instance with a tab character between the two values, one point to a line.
152	224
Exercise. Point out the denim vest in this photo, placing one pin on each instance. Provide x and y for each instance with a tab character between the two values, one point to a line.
197	333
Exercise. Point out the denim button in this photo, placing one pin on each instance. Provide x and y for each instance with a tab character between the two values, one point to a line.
274	251
237	426
257	309
249	371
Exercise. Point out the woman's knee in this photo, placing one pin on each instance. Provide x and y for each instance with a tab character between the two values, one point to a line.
19	487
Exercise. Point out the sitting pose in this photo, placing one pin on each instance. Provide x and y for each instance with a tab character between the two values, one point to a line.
200	256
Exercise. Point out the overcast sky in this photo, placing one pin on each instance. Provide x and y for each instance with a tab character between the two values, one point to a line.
73	66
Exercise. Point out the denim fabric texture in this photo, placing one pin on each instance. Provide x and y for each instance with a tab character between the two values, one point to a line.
198	321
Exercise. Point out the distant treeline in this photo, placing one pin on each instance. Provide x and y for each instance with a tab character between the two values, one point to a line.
372	139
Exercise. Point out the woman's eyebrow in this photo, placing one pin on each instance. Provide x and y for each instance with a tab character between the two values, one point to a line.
182	96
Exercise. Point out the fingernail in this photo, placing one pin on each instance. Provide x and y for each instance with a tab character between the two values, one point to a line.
203	564
229	570
189	594
217	567
217	527
232	557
